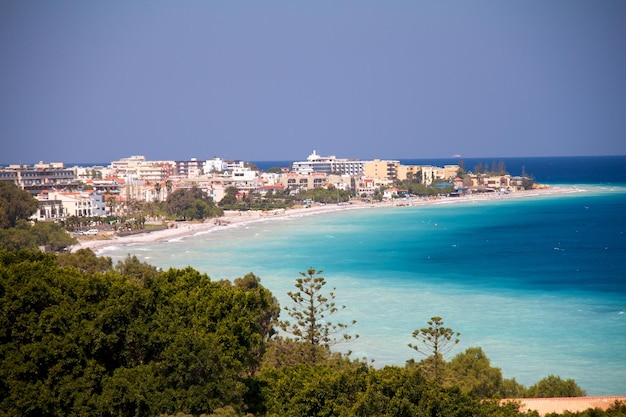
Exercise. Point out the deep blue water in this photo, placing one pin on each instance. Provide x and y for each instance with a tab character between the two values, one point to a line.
538	282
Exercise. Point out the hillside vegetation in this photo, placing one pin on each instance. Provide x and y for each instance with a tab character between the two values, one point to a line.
79	336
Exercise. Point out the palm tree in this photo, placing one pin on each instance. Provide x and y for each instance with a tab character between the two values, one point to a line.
168	186
157	188
111	204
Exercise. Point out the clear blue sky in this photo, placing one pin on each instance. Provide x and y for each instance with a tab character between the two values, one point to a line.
95	81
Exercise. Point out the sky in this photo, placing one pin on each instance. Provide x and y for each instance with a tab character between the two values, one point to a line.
274	80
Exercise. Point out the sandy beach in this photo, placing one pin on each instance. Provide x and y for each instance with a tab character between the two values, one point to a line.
231	218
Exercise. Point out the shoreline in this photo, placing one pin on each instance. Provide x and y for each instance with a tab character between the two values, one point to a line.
177	230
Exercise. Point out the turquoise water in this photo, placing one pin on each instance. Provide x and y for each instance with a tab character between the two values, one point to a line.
539	283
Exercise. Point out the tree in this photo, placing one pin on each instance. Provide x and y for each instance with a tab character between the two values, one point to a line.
193	203
136	270
85	261
45	234
310	313
15	204
434	342
52	235
74	343
472	372
110	202
157	190
554	386
230	197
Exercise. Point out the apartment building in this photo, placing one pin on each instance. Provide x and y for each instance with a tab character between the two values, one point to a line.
138	168
431	173
54	205
381	169
189	169
39	177
328	165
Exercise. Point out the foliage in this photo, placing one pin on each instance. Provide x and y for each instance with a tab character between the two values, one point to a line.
434	342
15	204
45	234
354	389
253	201
472	372
496	168
310	313
230	197
85	261
192	203
75	343
422	190
78	337
135	270
554	386
330	195
527	183
51	235
16	232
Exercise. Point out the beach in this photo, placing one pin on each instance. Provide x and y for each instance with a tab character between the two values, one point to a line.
176	230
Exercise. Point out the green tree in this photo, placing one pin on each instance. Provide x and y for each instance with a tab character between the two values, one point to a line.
157	190
15	205
52	235
192	203
136	270
74	343
18	237
554	386
43	234
85	261
310	313
263	315
330	195
110	203
434	342
472	372
230	197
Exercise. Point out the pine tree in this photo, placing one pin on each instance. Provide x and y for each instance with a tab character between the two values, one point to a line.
434	342
310	314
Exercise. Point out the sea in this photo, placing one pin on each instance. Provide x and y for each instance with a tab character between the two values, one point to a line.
538	282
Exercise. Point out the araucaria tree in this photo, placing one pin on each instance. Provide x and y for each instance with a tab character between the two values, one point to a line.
434	342
310	316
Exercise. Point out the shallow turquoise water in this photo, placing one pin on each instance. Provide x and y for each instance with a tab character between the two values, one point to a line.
538	283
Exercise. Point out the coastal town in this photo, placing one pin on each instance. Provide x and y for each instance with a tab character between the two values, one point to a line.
98	191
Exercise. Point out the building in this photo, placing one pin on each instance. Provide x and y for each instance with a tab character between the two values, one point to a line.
189	169
408	172
56	205
381	169
296	182
431	173
138	168
214	165
40	177
328	165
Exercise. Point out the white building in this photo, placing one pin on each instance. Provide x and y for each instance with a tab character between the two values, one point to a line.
328	165
137	167
55	205
214	165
